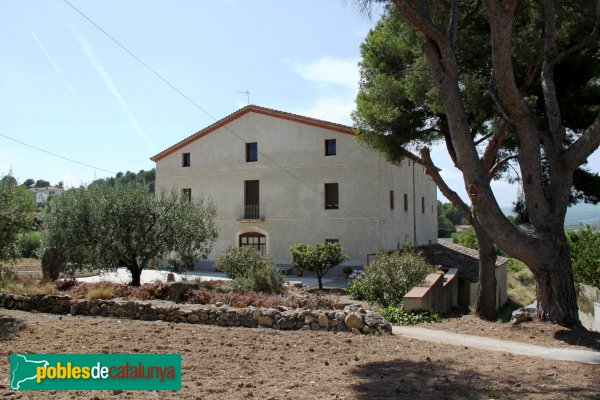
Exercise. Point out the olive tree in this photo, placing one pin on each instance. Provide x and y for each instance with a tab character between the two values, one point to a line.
15	205
104	226
319	258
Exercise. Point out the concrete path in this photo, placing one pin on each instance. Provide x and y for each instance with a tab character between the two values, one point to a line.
491	344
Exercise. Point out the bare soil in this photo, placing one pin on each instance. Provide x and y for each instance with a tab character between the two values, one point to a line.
533	332
241	363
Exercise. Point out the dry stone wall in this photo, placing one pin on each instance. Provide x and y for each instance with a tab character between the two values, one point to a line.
352	318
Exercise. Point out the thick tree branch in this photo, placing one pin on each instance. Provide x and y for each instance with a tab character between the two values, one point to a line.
423	23
453	23
557	130
491	151
583	147
433	172
501	18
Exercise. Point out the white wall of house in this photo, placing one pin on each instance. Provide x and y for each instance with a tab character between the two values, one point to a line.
292	170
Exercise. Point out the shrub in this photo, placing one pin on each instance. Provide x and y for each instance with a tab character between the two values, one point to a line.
390	276
397	316
100	292
524	277
250	270
585	255
29	243
240	262
357	288
29	289
319	258
267	278
515	265
151	291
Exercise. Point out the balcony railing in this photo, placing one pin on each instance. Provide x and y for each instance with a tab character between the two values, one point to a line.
251	211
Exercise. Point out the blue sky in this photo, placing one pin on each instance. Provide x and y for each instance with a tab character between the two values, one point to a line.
68	89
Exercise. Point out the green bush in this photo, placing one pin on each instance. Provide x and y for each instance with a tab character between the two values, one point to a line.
357	288
250	270
515	265
29	243
319	258
524	277
390	276
397	316
467	238
585	255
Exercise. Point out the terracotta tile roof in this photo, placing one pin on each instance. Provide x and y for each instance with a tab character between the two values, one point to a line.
259	110
454	255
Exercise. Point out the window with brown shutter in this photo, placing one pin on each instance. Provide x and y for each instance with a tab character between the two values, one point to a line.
331	196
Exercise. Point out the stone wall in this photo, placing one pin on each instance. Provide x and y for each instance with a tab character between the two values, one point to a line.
351	319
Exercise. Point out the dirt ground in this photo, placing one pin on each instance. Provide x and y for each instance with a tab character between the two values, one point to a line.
242	363
533	332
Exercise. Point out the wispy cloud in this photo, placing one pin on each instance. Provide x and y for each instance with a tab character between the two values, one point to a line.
56	68
108	81
330	70
336	82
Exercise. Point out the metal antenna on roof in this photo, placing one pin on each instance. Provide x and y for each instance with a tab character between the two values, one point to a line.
247	93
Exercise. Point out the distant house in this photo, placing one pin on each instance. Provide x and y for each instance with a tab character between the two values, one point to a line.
279	179
466	261
40	195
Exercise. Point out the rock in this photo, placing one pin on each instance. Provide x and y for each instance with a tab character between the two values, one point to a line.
286	323
193	318
355	331
315	326
521	315
265	320
366	329
256	315
353	321
323	321
372	319
309	319
177	289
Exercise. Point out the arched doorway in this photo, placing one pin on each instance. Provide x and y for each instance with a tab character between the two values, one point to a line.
254	239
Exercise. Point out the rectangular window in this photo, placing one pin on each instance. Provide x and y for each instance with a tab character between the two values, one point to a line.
332	240
391	199
187	192
330	149
331	196
423	205
405	202
185	160
251	152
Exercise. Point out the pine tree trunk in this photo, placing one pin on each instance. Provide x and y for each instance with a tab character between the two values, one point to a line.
486	296
556	294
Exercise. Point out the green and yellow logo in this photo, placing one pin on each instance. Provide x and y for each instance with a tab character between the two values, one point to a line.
95	371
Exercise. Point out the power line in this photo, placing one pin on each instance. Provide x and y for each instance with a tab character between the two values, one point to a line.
191	101
56	155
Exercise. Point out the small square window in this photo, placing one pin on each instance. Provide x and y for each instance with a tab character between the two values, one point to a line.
331	196
187	192
330	147
251	152
391	199
185	160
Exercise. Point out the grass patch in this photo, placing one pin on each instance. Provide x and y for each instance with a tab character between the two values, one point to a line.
100	292
521	286
29	289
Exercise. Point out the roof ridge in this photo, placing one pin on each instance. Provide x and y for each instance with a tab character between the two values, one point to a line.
259	110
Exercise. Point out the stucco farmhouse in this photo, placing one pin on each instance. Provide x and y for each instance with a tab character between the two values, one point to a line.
279	179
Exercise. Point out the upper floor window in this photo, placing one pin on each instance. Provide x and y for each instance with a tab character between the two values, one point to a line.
331	196
405	202
185	160
330	148
391	199
187	192
423	205
251	152
332	240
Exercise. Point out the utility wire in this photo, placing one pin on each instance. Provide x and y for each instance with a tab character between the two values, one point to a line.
56	155
195	104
